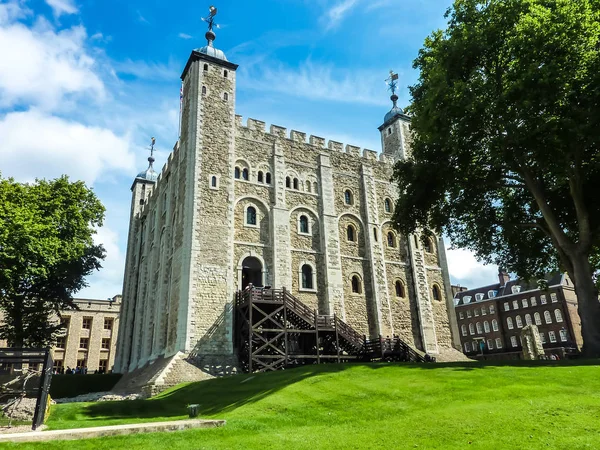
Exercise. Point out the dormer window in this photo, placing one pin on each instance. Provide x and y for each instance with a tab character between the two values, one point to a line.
466	299
492	293
478	297
515	289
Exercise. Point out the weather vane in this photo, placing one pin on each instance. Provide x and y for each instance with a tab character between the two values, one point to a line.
210	19
392	82
152	142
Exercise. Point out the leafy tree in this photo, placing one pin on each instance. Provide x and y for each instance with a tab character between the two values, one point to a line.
505	156
46	250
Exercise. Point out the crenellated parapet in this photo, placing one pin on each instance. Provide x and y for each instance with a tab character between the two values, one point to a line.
254	128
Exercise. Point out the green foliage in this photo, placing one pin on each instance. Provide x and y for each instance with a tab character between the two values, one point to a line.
387	406
507	102
73	385
46	251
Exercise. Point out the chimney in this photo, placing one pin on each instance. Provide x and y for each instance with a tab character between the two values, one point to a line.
503	276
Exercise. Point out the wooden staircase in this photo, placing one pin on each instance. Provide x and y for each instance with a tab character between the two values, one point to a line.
275	330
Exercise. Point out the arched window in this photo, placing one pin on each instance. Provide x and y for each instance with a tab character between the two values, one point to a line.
391	241
537	318
268	178
558	315
427	245
495	325
509	323
563	335
287	182
348	197
375	234
307	277
315	190
245	174
237	172
519	322
225	73
479	329
471	329
260	176
486	326
437	294
547	317
356	287
303	224
213	181
296	183
416	241
205	66
307	184
351	233
203	90
463	330
251	215
388	205
225	96
528	319
399	289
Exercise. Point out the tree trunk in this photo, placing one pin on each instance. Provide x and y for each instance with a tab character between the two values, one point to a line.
588	305
17	319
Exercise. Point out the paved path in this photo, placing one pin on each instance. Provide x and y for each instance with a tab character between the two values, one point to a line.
113	430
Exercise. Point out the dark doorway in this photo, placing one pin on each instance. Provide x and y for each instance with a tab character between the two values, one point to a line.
251	272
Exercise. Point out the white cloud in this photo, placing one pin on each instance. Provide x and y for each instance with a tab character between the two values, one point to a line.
336	13
319	82
35	144
184	36
148	70
60	7
12	11
109	280
467	271
41	66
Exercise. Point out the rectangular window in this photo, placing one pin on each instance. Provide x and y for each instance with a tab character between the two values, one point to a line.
543	300
84	342
106	343
515	304
552	336
563	335
60	342
513	341
490	344
543	338
474	346
81	363
86	324
476	311
506	307
483	311
492	309
108	323
498	343
58	364
468	313
553	297
461	315
533	301
102	365
524	302
467	348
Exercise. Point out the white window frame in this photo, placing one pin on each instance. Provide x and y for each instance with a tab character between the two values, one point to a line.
463	329
309	233
476	312
490	344
467	347
495	325
558	315
513	341
533	301
543	338
553	297
469	314
498	343
210	177
483	311
486	326
525	303
249	225
479	297
547	317
509	323
492	293
461	315
537	318
519	321
479	328
515	304
471	329
564	337
467	299
515	288
492	309
314	277
506	306
543	299
528	320
552	336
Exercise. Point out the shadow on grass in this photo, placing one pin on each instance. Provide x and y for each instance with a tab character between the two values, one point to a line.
214	396
225	394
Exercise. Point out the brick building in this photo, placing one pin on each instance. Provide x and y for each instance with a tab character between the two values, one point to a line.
239	203
490	318
90	338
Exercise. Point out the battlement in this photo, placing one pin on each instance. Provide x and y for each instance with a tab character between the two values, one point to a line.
318	142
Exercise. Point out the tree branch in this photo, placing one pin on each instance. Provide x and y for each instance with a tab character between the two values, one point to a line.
583	218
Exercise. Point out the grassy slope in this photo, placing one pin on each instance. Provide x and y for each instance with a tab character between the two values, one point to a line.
367	406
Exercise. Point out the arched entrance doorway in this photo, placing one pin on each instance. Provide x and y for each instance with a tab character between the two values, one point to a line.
251	272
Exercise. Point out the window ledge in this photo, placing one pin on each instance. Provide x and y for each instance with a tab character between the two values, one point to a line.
304	234
248	225
307	290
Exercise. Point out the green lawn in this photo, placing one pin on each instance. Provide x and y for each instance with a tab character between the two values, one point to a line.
454	406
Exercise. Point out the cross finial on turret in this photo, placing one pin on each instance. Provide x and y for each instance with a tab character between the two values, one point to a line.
151	157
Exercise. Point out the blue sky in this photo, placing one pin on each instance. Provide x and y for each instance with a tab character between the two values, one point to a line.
84	85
